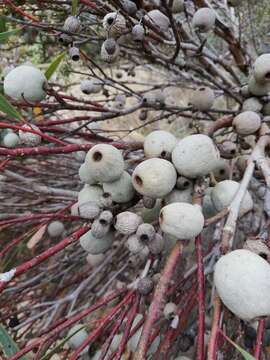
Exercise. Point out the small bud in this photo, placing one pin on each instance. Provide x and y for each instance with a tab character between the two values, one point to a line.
145	285
99	230
106	217
146	233
109	50
138	32
74	53
169	310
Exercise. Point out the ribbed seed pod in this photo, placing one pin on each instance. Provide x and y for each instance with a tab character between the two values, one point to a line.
91	86
252	104
25	83
159	143
145	232
223	194
72	24
156	246
65	39
29	138
261	69
90	193
154	178
85	175
203	98
130	7
138	32
145	285
96	246
95	260
182	220
74	53
11	140
127	222
158	19
247	123
115	24
195	155
109	50
169	310
106	162
55	228
99	229
89	210
134	245
121	190
148	202
204	19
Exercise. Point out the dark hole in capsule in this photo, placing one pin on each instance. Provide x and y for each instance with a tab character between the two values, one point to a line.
103	222
263	255
144	237
202	89
97	156
161	217
110	21
76	57
106	195
186	184
222	171
163	154
233	151
138	180
267	75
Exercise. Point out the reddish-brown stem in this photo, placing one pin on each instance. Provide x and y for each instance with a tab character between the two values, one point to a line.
158	300
212	344
201	299
20	11
21	269
259	339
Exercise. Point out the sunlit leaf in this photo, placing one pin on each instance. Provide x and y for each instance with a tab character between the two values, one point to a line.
7	108
74	7
36	237
54	65
8	344
7	34
243	352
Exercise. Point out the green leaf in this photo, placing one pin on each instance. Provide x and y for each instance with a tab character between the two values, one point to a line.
74	7
245	354
3	25
7	108
60	345
6	34
54	65
8	344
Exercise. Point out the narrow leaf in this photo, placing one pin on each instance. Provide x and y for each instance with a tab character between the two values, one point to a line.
243	352
7	34
3	25
54	65
8	344
36	237
74	7
7	108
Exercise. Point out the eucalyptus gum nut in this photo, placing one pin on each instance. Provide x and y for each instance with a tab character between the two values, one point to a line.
247	123
91	86
242	281
11	140
130	7
85	175
109	51
156	246
99	230
96	246
134	245
138	32
256	88
146	232
95	260
90	193
252	104
182	220
183	183
159	143
223	194
208	207
89	210
29	138
195	156
78	338
127	222
114	23
25	83
228	149
261	68
158	19
150	215
169	310
121	190
105	162
203	98
72	24
179	196
55	228
204	19
222	170
154	178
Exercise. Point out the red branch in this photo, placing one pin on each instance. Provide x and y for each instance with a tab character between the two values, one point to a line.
201	299
259	339
21	269
212	345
